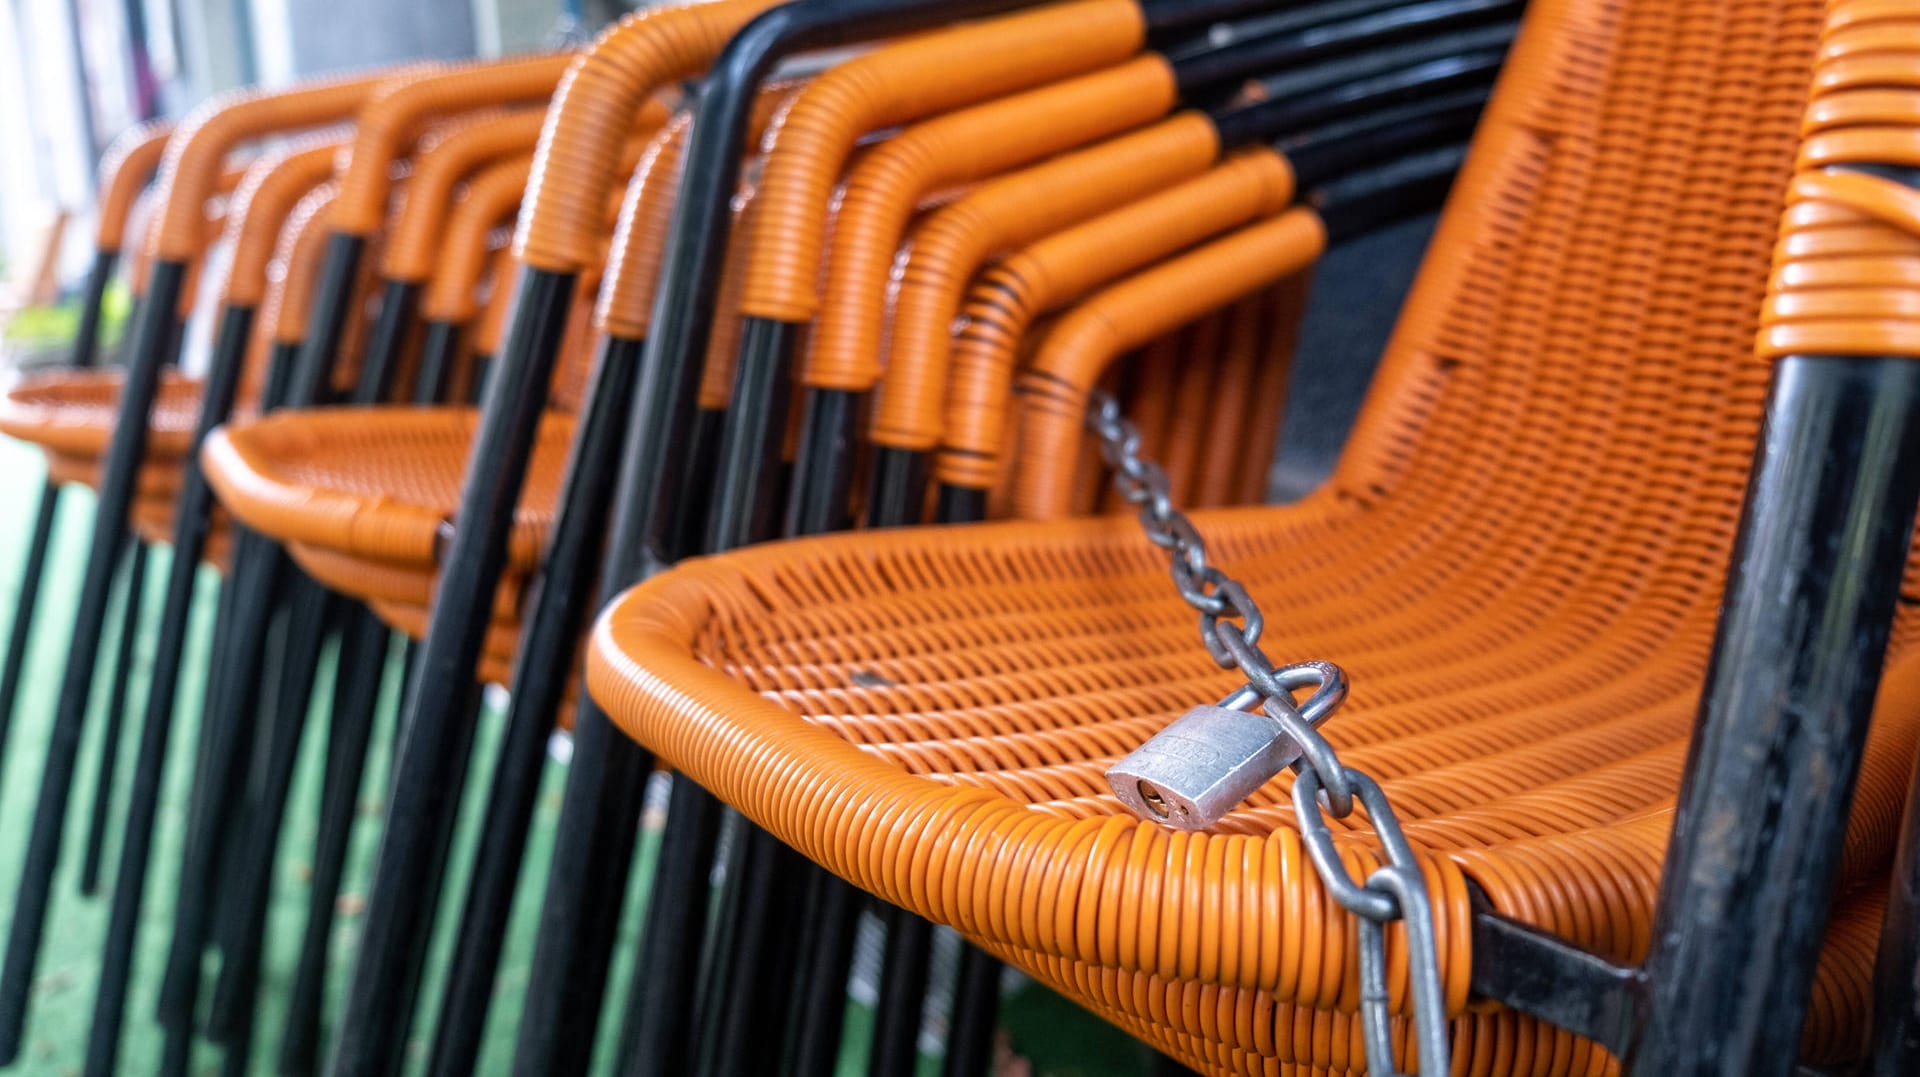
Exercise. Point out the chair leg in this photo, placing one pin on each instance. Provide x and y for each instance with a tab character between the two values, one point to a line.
1797	656
312	612
130	880
903	994
511	799
20	635
232	703
820	1002
152	334
361	668
103	785
976	1015
751	970
543	665
599	823
389	956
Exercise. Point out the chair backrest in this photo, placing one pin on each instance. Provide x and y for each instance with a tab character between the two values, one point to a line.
1572	386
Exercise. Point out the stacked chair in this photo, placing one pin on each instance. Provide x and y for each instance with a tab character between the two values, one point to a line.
505	347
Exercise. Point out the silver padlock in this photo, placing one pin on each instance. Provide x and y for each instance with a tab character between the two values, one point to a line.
1201	766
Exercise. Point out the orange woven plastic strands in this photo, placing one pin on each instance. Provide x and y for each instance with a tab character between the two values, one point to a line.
1285	306
394	117
624	307
1225	431
1189	413
391	581
1846	273
593	109
413	245
882	192
486	201
195	154
492	325
894	84
380	490
1066	265
274	185
296	261
130	161
723	339
1005	214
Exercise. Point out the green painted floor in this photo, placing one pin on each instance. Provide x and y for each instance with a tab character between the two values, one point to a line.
1047	1035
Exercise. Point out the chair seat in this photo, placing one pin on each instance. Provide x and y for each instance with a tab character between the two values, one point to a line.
378	483
74	412
929	714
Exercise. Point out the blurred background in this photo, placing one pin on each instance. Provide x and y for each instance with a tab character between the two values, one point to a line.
75	73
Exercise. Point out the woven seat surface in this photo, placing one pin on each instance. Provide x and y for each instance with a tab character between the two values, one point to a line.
372	482
1518	562
75	411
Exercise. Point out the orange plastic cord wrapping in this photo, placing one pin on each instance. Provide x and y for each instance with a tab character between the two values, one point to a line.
493	319
894	84
296	262
412	253
386	128
1060	268
1225	438
130	161
487	201
1285	307
195	154
1077	351
1004	214
1846	275
625	305
592	111
963	147
274	185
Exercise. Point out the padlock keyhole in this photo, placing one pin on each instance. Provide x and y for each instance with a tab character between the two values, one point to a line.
1156	803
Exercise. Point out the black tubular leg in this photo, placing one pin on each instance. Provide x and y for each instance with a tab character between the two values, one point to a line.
820	1003
823	470
661	998
903	993
356	694
311	612
20	635
387	346
437	352
703	460
675	936
191	526
133	592
227	727
899	491
86	338
976	1015
230	718
86	344
543	665
327	320
1789	691
124	453
437	741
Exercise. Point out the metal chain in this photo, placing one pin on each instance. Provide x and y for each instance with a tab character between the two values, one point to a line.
1230	627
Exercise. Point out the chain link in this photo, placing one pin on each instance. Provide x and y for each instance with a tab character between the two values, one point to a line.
1324	788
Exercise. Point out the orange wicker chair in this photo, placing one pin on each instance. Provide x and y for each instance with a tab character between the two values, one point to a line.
1519	561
